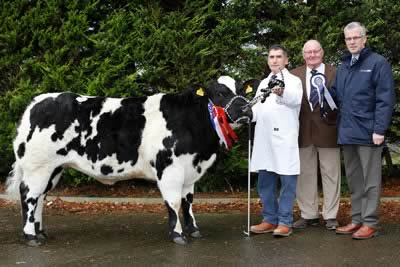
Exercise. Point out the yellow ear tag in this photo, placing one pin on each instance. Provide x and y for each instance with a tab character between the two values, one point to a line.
200	92
249	89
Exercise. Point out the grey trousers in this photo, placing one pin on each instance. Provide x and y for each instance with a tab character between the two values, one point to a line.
363	165
307	182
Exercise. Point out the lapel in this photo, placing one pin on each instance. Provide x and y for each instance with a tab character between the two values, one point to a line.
330	73
303	76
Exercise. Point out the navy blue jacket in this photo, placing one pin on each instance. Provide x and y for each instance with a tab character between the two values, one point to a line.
365	96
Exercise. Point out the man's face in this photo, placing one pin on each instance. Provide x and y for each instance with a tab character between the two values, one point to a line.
355	42
277	60
313	54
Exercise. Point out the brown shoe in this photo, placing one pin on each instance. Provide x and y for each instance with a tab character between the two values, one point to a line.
262	228
282	230
365	232
348	229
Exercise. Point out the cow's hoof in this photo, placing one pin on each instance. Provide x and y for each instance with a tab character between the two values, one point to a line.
181	240
196	234
42	235
34	243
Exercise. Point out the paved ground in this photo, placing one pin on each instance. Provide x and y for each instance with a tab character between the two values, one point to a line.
140	240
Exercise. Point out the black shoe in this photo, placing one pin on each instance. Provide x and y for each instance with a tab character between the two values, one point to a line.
303	223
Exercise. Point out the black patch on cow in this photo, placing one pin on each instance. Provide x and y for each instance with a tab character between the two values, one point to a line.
188	119
24	190
118	132
164	157
196	160
62	152
37	228
21	150
32	201
60	111
120	170
50	184
168	142
172	219
152	164
189	197
198	169
106	169
55	136
163	160
188	224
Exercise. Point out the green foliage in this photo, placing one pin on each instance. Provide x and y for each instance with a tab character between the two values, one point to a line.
133	48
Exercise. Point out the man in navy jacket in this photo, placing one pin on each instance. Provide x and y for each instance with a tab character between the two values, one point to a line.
365	93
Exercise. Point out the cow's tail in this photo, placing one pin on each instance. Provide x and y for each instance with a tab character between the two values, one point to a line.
14	180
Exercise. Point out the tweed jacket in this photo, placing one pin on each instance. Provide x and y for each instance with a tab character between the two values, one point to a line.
314	130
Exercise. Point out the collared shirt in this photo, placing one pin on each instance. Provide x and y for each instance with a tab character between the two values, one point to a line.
320	69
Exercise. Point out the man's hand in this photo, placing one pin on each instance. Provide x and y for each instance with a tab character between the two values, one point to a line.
377	138
277	90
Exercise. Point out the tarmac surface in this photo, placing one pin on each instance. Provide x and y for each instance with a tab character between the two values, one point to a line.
123	239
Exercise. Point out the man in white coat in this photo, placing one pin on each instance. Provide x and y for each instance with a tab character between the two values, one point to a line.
276	151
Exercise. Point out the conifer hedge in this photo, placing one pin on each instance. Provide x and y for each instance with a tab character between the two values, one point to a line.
132	48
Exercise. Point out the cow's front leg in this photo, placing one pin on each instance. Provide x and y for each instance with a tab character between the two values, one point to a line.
171	190
190	227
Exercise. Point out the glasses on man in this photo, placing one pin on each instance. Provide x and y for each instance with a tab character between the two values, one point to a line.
355	38
309	52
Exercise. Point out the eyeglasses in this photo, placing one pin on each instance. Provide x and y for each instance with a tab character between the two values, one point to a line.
355	38
309	52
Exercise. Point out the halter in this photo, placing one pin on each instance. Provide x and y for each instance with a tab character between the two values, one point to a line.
227	106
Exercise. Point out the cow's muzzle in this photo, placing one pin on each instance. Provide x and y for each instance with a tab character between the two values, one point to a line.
238	110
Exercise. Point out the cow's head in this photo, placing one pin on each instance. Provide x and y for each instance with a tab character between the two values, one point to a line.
229	94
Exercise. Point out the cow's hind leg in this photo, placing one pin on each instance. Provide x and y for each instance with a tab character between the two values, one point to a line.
54	179
190	226
33	190
171	190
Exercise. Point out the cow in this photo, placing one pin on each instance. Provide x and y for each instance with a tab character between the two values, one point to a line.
167	138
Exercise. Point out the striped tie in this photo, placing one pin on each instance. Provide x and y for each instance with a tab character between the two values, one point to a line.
314	96
353	61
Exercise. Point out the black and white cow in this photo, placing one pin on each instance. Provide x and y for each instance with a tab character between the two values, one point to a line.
168	138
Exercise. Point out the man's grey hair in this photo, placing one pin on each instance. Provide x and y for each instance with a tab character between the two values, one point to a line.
355	24
312	41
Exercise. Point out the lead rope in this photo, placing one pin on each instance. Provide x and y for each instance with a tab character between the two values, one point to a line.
248	179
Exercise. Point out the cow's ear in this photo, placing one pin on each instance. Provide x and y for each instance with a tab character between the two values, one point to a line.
250	87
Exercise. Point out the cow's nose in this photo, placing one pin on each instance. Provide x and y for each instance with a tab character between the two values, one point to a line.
247	111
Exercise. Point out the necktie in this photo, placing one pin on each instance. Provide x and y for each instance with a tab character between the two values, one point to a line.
353	61
314	96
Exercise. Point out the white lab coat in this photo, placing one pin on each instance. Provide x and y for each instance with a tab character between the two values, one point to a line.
276	134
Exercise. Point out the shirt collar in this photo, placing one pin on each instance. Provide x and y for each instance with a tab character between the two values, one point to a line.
320	68
355	56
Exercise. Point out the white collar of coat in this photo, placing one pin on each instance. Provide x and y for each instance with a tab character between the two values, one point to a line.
279	74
